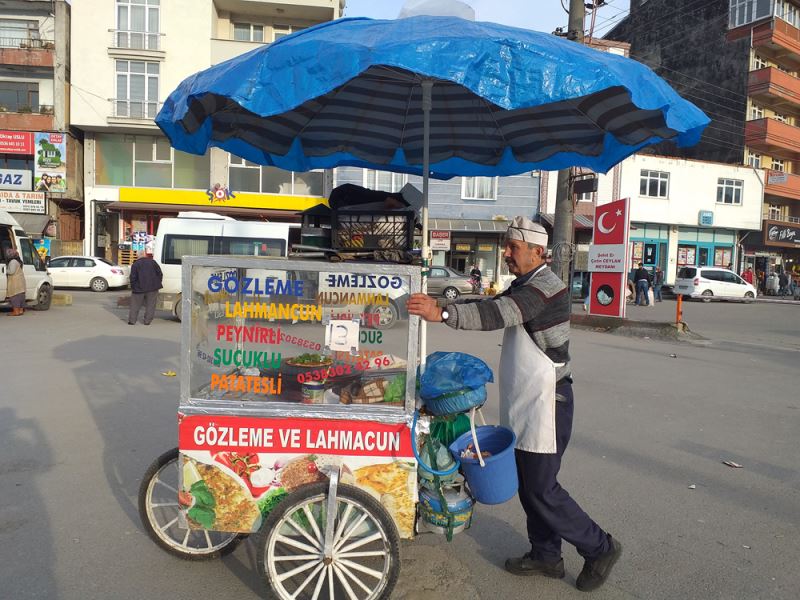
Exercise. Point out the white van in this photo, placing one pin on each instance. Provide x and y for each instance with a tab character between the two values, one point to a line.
196	233
38	284
709	283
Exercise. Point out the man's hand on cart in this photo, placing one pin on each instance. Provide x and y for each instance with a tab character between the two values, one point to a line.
424	306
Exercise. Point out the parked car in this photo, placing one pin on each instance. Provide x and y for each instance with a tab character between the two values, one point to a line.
89	272
447	282
709	283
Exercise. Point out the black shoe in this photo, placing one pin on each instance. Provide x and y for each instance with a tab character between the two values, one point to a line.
526	565
129	323
595	572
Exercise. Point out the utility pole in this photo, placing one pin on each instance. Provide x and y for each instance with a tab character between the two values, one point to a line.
563	227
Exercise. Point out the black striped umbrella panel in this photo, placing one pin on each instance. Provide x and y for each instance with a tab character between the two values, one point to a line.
372	116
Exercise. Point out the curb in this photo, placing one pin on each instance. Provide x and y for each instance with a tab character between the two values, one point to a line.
631	328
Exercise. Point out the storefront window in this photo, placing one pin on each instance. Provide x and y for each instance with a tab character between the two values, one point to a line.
192	171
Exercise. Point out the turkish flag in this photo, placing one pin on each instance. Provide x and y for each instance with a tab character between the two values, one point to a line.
610	223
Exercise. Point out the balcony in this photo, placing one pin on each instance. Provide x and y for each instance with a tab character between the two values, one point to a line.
773	137
133	112
30	118
312	10
141	44
779	41
27	52
774	88
779	186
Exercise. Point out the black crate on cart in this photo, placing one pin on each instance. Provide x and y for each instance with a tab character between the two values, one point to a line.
354	229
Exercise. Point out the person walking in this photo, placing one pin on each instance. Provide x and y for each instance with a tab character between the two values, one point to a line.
658	283
15	282
748	275
536	402
146	279
642	279
783	283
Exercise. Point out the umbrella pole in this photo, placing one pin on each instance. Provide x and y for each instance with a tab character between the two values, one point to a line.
427	104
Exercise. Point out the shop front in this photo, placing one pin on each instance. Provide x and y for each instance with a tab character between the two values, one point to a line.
462	243
779	249
649	245
705	247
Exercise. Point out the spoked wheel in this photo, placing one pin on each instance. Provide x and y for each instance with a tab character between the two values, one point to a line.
159	508
364	561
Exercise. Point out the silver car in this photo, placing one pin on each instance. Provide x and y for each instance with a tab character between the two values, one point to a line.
447	282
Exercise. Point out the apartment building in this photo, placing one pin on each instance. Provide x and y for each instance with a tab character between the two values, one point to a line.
739	61
683	212
128	55
40	158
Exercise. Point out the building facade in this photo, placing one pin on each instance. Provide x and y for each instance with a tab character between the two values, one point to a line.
743	70
468	216
128	55
683	212
41	166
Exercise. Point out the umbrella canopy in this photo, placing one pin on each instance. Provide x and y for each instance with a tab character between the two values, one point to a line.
504	101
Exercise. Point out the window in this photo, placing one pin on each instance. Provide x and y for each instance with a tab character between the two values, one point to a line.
138	24
248	32
279	31
18	33
759	63
747	11
584	197
58	263
754	160
245	176
178	246
439	273
479	188
654	184
756	112
778	165
775	212
687	273
147	161
384	181
19	96
250	246
729	191
137	89
781	117
787	11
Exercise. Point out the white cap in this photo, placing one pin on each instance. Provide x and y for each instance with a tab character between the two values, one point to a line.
149	248
522	228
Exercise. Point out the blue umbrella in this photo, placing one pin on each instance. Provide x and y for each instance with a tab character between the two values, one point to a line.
503	101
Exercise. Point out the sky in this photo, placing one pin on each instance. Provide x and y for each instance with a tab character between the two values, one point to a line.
540	15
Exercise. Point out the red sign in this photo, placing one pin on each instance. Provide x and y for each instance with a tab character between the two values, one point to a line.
440	235
294	436
607	289
16	142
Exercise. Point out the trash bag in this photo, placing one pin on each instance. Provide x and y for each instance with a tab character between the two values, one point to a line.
449	428
453	382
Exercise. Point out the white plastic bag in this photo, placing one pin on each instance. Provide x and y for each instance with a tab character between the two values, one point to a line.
437	8
651	298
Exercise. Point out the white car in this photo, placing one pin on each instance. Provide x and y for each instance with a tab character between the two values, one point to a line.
87	271
708	283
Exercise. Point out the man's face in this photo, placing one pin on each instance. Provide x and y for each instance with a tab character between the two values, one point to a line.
520	257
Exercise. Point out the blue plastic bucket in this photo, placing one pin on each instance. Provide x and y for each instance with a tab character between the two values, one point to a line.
496	482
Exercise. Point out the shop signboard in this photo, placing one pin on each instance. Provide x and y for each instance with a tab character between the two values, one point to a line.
23	202
485	248
607	261
440	240
781	234
705	218
50	172
16	142
463	247
291	370
16	179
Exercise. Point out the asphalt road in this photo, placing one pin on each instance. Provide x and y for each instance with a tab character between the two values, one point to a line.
84	409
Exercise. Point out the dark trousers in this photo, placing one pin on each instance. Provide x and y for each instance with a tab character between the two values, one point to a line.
552	513
149	300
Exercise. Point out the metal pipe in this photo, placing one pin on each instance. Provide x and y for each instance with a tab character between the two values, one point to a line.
427	106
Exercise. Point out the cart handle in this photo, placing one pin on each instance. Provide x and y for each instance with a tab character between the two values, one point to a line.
422	464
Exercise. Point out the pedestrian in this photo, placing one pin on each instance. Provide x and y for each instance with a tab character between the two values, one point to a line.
658	283
748	275
642	279
15	289
145	282
476	275
783	283
536	402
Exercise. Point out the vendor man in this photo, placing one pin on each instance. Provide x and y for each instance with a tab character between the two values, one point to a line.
536	402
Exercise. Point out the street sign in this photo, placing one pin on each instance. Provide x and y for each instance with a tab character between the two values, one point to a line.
440	240
608	259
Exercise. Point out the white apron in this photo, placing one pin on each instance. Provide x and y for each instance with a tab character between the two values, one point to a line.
527	392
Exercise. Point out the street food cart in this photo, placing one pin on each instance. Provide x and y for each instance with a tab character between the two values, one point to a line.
295	406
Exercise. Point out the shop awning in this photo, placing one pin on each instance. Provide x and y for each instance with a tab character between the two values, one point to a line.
32	224
224	210
581	221
472	225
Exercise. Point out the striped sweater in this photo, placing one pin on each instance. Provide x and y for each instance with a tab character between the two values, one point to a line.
539	301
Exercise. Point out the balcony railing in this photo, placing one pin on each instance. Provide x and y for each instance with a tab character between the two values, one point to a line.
12	42
135	109
136	40
774	88
41	109
768	216
772	136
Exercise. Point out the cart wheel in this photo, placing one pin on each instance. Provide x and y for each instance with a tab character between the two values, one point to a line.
365	562
158	510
